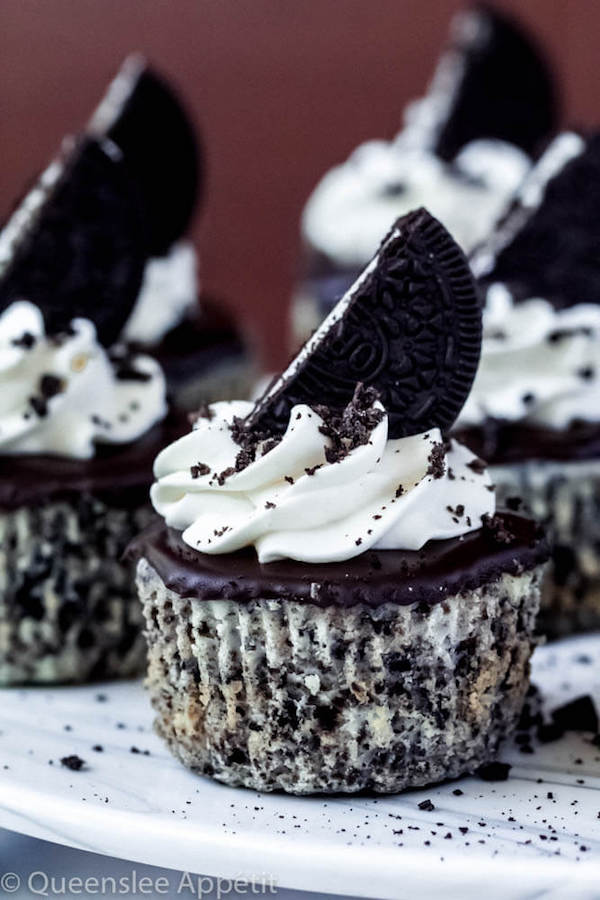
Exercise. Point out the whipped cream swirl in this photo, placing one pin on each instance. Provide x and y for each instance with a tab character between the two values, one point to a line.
539	365
63	394
169	291
356	203
291	502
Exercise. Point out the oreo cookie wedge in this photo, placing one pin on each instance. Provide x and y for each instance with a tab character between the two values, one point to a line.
75	244
492	82
547	244
145	118
410	327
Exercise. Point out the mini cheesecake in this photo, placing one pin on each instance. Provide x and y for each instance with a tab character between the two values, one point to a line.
80	421
534	411
68	607
331	601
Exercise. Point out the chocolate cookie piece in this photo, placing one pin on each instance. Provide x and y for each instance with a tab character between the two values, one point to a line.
77	241
410	327
547	245
145	118
493	82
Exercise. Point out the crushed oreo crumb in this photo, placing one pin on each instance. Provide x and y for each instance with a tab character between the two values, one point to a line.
269	445
310	470
39	406
437	461
50	386
26	341
73	762
199	469
494	771
224	475
129	373
586	373
578	715
496	530
477	466
123	362
244	457
561	333
353	427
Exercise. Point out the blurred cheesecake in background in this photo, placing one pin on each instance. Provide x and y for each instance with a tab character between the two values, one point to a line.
333	601
534	411
195	337
81	420
463	151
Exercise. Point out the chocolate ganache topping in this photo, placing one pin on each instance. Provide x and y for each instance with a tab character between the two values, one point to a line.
506	543
117	474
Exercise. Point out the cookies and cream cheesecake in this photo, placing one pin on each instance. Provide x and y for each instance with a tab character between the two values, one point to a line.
534	411
332	600
78	432
463	152
81	419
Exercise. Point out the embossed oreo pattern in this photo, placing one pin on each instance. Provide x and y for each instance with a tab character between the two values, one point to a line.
411	328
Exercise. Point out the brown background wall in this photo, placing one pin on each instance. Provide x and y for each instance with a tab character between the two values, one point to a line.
282	89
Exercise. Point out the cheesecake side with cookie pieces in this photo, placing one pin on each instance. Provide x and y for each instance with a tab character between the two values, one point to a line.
332	601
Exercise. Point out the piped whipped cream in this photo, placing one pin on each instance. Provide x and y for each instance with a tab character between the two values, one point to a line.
301	500
63	394
539	365
356	203
169	291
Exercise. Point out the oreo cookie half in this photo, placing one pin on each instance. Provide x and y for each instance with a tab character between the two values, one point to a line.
492	82
410	326
547	244
145	118
76	241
